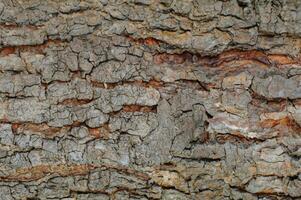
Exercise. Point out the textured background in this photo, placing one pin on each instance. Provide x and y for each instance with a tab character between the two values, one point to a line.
150	99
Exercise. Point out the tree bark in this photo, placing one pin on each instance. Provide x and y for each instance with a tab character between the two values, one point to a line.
150	99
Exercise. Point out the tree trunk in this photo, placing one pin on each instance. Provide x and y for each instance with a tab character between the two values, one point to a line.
150	99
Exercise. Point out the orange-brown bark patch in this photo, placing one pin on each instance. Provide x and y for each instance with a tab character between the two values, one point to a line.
138	108
38	49
41	129
101	132
149	41
285	125
281	59
7	50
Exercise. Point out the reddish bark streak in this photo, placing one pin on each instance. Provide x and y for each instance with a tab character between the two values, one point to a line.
38	49
137	108
149	41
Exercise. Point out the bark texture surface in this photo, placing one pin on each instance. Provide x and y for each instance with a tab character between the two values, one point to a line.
150	99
